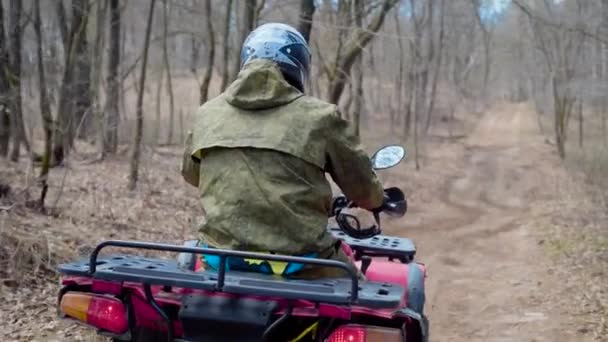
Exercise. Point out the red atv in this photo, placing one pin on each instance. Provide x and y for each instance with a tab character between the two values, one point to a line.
134	298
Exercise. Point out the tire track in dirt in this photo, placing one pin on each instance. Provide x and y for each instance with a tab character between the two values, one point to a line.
486	273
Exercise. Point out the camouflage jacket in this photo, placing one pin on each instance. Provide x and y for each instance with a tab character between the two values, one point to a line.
259	153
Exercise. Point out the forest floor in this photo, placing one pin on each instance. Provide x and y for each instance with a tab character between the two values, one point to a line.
513	242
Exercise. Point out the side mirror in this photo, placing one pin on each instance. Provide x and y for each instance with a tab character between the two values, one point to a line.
388	157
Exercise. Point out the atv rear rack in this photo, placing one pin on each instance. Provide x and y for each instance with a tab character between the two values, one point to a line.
153	271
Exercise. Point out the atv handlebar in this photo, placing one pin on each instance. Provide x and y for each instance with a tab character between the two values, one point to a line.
224	254
394	204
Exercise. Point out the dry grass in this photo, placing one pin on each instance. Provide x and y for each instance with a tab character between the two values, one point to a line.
87	203
576	228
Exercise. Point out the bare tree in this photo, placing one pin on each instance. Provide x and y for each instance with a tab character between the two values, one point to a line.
603	57
561	49
63	24
358	9
394	114
74	96
158	99
5	131
486	33
436	67
307	11
352	48
168	70
101	9
136	151
45	108
82	76
249	9
204	87
226	47
111	116
15	35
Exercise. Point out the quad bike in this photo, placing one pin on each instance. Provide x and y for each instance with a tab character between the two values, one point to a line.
135	298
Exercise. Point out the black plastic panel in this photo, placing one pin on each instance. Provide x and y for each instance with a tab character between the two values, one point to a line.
218	318
166	272
380	245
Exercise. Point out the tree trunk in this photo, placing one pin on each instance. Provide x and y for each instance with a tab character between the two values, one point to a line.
258	11
101	9
604	64
563	103
168	71
417	97
204	88
5	122
437	68
45	109
358	71
580	123
307	11
15	36
399	84
181	124
159	88
248	21
344	21
134	165
358	40
62	20
226	47
82	76
487	41
73	97
110	129
409	105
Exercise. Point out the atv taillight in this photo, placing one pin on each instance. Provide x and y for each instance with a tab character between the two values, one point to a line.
363	333
102	312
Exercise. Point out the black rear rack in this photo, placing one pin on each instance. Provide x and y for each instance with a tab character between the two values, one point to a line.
155	271
220	280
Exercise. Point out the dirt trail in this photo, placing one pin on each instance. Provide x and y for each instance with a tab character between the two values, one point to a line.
471	216
488	279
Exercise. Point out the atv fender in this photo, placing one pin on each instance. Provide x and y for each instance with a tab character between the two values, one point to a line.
410	276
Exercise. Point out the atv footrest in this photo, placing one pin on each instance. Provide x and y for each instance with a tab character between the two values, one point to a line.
126	268
380	245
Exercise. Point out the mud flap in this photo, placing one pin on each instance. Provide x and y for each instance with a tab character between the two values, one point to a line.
420	319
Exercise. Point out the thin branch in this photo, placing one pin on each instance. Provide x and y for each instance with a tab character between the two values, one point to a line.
559	26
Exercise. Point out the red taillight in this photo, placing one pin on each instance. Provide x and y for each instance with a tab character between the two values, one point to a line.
348	334
105	313
363	333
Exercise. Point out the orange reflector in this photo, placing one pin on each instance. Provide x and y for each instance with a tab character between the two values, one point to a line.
76	305
103	312
363	333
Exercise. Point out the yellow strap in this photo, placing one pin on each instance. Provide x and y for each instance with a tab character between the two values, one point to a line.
277	267
312	328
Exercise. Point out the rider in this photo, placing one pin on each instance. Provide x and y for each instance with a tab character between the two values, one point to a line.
258	154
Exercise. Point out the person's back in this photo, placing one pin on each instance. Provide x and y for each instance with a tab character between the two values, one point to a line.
259	153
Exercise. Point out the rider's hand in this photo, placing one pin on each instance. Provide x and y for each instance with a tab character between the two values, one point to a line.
339	203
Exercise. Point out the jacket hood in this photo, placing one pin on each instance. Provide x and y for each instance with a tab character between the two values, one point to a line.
260	85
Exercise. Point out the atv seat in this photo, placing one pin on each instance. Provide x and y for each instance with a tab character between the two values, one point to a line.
152	271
